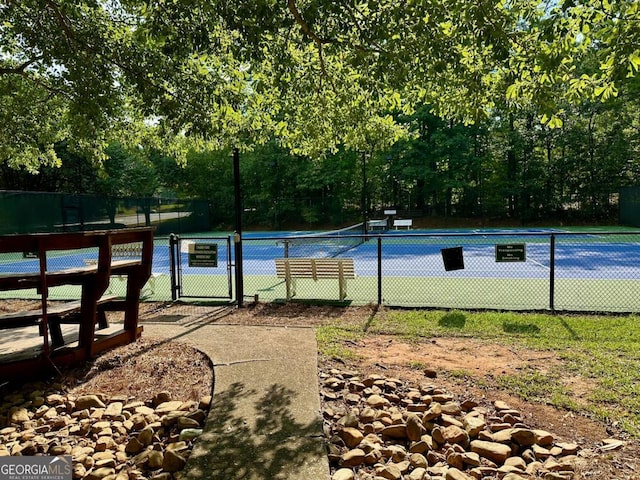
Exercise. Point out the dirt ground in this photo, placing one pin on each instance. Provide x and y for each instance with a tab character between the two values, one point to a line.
481	363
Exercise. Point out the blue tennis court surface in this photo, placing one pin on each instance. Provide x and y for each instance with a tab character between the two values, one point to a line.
411	254
418	254
589	271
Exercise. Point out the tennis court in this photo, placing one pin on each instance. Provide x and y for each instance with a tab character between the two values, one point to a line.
593	270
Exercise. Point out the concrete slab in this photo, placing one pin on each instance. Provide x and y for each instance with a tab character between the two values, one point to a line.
289	459
265	418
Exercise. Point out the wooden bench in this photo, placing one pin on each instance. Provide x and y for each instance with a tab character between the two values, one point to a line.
400	223
315	268
93	278
377	225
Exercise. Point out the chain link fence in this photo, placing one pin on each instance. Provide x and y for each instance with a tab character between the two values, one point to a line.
31	212
532	271
505	271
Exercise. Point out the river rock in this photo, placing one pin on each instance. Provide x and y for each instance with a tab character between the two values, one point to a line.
343	474
496	452
88	402
377	401
189	434
455	434
173	461
415	428
351	436
155	460
134	446
18	415
167	407
113	410
353	458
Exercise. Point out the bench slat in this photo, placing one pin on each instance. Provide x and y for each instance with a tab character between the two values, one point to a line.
28	318
68	276
309	274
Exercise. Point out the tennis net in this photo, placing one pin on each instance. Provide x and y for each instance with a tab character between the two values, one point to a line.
325	244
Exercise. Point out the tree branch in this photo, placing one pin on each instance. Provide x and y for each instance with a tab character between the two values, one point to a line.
51	89
62	19
20	69
293	8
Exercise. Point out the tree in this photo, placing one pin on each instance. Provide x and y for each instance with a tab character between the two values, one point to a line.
319	75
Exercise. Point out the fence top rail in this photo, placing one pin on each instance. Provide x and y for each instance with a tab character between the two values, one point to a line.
283	239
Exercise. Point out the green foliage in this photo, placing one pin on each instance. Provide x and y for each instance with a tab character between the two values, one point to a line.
127	172
319	76
30	125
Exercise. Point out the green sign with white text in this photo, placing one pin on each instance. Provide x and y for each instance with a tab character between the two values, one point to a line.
203	255
511	252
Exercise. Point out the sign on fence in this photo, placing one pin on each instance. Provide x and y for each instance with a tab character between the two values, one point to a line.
452	258
203	254
511	252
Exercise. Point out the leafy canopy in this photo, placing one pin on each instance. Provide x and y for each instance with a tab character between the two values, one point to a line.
317	75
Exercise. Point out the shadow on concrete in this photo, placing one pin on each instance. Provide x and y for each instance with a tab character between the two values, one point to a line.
275	446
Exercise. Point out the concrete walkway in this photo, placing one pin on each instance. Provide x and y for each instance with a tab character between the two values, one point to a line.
264	423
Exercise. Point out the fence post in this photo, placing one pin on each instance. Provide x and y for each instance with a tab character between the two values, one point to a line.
173	243
379	270
229	281
552	273
237	235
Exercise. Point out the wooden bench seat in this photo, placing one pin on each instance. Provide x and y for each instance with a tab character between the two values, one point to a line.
57	315
316	269
68	276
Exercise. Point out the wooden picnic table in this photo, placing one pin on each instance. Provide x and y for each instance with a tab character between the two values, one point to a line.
93	277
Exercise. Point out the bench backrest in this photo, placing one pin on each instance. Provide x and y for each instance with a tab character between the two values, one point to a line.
315	268
104	241
127	250
377	223
402	223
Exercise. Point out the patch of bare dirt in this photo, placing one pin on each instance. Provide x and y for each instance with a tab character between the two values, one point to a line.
452	354
297	314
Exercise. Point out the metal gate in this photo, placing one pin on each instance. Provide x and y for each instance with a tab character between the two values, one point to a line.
200	267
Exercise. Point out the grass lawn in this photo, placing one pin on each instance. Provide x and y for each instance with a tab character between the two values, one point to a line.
602	352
